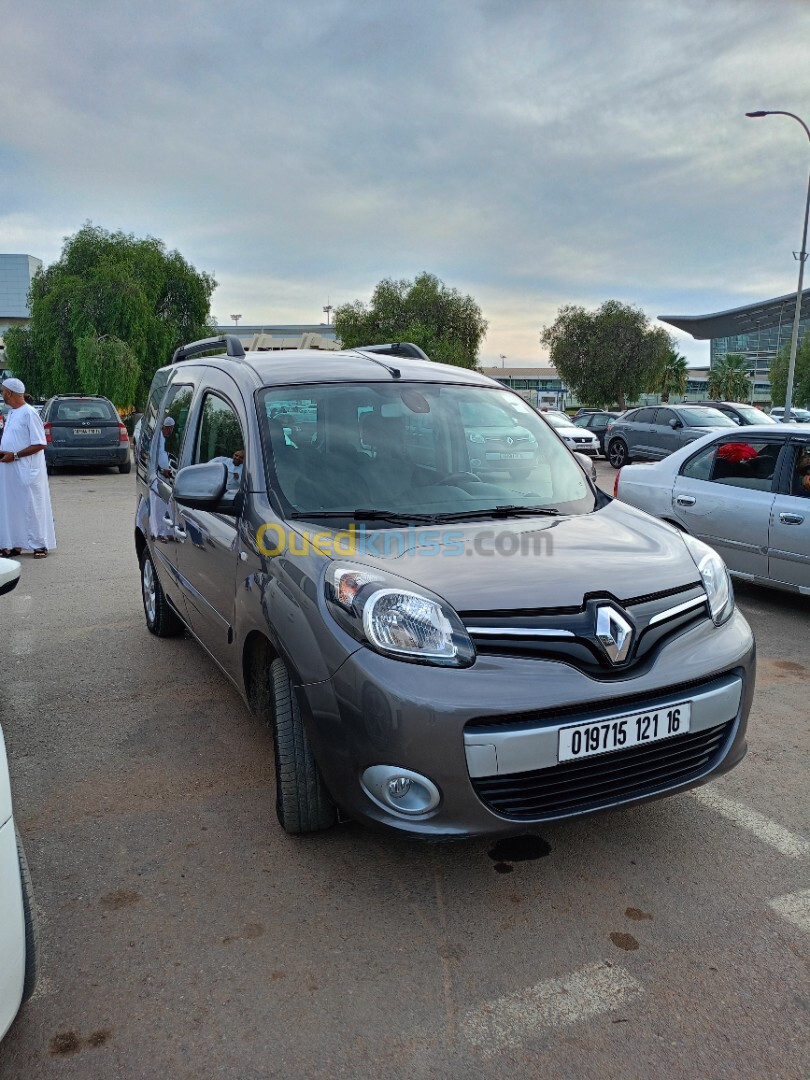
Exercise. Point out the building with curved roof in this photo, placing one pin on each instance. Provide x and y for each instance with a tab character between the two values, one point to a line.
755	331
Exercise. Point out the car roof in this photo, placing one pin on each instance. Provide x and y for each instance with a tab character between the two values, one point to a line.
303	366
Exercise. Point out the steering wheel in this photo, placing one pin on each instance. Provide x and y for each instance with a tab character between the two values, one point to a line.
453	478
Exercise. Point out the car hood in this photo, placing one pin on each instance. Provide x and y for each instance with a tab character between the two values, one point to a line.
547	563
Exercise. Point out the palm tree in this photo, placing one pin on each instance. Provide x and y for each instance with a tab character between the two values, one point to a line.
672	379
729	378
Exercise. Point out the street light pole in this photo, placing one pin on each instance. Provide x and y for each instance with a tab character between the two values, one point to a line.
794	339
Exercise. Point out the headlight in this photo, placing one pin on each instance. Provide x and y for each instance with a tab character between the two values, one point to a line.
476	437
385	613
715	577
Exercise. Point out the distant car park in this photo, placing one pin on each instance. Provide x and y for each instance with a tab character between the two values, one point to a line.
574	437
654	431
798	416
742	414
745	493
596	421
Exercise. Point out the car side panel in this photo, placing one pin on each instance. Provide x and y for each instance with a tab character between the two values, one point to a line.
789	541
732	520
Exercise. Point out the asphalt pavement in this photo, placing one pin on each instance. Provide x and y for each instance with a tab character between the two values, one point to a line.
185	935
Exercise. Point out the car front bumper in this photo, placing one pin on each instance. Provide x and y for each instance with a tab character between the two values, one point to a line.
494	726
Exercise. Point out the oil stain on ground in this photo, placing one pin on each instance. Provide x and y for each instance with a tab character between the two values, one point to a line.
636	914
517	849
71	1042
119	898
624	941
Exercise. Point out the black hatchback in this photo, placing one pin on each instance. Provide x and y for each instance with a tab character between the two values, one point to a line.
84	431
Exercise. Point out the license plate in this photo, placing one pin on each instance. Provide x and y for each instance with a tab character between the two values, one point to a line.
87	431
622	732
511	457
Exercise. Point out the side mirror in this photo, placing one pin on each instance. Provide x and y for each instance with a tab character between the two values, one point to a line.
202	487
675	423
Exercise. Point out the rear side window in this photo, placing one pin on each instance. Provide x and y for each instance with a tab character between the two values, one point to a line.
749	464
151	412
177	405
643	416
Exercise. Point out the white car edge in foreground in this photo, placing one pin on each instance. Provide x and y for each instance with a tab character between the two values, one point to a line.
18	931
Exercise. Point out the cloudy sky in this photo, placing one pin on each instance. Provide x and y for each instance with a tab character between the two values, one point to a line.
532	153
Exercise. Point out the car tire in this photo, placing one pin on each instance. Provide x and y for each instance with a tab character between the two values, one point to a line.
126	467
31	923
618	454
161	620
521	473
302	802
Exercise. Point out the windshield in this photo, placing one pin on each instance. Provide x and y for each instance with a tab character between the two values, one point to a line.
705	418
754	415
410	450
559	420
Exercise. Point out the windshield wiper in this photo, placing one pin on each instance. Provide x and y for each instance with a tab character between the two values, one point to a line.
395	516
500	512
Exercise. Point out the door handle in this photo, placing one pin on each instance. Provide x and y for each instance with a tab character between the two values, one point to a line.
791	519
685	500
180	533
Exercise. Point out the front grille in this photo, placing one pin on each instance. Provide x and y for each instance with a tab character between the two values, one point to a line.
579	786
570	635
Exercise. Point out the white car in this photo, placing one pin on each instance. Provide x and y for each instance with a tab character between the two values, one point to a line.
797	416
18	927
575	438
743	491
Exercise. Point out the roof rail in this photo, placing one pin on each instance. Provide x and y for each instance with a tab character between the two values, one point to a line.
396	348
233	347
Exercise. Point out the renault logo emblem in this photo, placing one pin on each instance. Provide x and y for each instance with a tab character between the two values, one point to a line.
615	634
509	440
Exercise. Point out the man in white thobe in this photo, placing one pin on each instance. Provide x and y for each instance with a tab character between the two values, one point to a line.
158	507
26	517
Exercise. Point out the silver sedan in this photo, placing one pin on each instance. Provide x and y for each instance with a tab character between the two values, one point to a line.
744	492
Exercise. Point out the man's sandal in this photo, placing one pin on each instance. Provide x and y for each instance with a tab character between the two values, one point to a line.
41	553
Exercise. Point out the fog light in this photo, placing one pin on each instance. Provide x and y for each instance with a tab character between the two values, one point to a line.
400	791
399	787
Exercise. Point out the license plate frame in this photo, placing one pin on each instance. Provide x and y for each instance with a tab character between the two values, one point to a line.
577	742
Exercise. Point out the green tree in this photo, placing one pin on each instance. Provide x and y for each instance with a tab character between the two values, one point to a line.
729	378
106	315
801	375
672	378
608	356
447	325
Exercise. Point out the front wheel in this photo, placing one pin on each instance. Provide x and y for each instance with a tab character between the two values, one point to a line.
31	924
161	620
618	454
302	802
